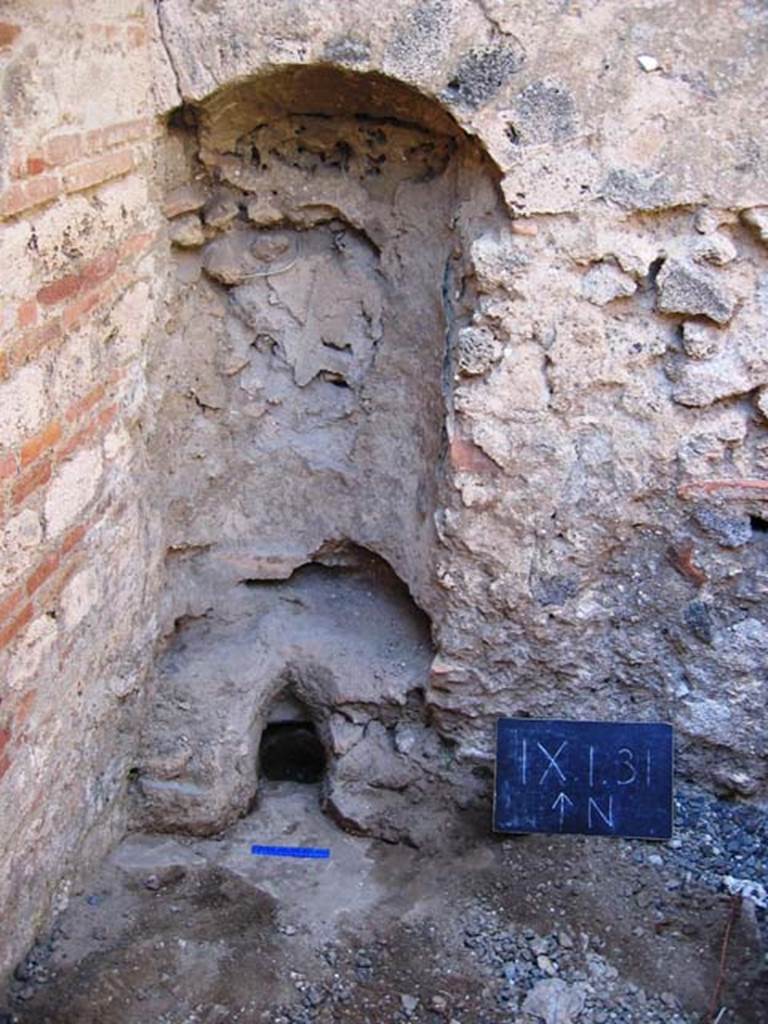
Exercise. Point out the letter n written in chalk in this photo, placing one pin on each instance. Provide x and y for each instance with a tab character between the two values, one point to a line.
594	805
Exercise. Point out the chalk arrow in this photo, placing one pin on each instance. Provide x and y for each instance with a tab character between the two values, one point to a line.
559	805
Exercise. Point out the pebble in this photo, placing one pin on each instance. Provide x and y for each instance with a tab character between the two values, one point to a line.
546	965
409	1003
648	63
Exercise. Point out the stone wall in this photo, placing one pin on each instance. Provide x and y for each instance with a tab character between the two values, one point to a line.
81	273
595	540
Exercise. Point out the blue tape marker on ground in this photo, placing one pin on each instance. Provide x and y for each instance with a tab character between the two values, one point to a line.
312	852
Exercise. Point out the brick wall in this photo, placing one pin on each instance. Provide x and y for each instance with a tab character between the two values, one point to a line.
80	278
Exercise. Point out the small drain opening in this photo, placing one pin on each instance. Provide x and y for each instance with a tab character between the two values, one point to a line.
291	752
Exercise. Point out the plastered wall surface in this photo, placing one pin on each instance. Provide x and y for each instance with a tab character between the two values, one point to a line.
561	451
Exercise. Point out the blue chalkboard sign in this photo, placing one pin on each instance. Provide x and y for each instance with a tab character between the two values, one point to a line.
590	778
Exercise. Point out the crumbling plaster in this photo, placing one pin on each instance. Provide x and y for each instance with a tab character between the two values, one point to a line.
582	568
599	543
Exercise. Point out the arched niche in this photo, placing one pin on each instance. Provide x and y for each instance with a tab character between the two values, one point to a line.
321	223
338	652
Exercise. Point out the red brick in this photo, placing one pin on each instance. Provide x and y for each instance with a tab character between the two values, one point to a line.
118	134
26	314
63	149
90	276
136	244
76	310
107	416
724	486
48	566
73	538
137	35
17	163
32	343
5	738
9	604
79	440
88	173
466	457
53	593
183	199
681	559
86	403
40	443
8	33
36	478
3	365
26	194
5	764
24	707
36	165
15	627
59	290
7	466
100	269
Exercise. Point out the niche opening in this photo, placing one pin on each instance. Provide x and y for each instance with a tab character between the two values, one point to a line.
291	752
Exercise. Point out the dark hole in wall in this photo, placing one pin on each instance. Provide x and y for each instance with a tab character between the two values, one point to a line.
653	270
758	524
291	752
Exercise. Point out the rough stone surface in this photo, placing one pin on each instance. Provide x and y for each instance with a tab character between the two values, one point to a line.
684	289
604	283
555	1002
383	342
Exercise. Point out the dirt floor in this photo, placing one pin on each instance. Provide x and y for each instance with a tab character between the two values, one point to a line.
480	930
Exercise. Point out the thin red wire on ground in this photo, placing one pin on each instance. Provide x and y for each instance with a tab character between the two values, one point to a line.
732	916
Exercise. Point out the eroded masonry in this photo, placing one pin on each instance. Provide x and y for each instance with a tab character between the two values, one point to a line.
361	383
303	394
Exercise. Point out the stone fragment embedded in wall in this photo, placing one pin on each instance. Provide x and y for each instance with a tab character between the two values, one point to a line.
220	210
706	221
477	350
718	250
497	261
22	404
762	401
72	489
604	282
184	199
637	190
544	112
344	733
684	287
701	340
263	211
79	597
729	530
186	231
19	540
246	254
481	73
757	218
737	366
712	440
